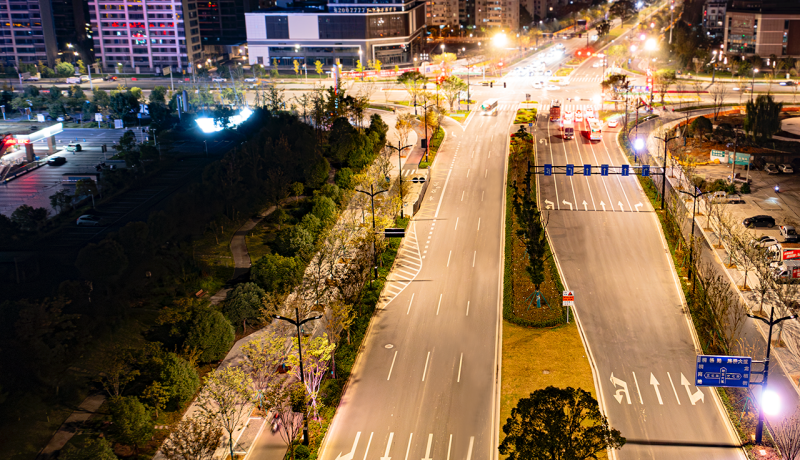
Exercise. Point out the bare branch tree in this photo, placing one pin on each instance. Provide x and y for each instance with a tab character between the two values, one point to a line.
787	437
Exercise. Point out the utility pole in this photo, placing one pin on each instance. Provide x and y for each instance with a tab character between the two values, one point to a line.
297	323
400	173
372	194
666	140
770	323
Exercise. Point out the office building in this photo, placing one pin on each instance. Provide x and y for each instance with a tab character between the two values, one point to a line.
762	28
27	35
341	29
146	36
714	18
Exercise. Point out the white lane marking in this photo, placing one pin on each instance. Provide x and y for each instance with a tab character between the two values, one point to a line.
425	372
468	173
469	452
637	387
410	437
448	257
486	173
479	223
603	181
447	181
673	389
467	307
409	304
392	366
462	195
588	185
439	305
388	446
368	444
456	224
448	446
460	360
428	449
552	161
482	192
473	258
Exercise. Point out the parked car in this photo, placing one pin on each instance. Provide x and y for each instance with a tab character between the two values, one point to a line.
56	161
789	234
251	80
788	83
786	168
770	168
32	78
73	147
759	221
88	220
739	178
219	79
110	78
765	241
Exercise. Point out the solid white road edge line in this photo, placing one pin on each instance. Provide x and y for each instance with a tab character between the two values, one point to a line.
447	181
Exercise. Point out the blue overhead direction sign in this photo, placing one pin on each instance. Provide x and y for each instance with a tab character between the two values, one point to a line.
587	170
548	170
603	170
570	170
625	170
645	170
722	371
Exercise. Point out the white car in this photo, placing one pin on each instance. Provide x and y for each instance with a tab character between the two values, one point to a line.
597	64
613	123
88	220
548	73
219	79
537	84
250	80
552	87
589	113
578	116
786	168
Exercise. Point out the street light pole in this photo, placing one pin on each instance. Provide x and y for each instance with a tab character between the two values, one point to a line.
372	194
770	323
694	214
666	140
297	323
425	124
399	173
753	85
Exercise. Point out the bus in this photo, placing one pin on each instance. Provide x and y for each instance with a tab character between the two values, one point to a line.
489	107
594	129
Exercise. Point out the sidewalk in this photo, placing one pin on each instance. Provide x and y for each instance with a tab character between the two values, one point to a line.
71	426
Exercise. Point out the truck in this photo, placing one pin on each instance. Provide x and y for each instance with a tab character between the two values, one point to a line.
785	251
555	110
74	80
788	272
568	129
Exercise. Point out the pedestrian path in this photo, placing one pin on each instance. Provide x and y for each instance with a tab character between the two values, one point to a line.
71	426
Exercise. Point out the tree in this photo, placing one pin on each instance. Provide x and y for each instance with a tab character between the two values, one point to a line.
452	87
787	437
297	189
211	334
718	93
102	262
412	81
278	399
325	209
243	303
194	438
296	65
317	354
377	65
762	118
92	449
65	69
81	66
100	97
404	125
131	421
318	68
275	273
603	28
179	380
556	424
86	187
663	79
261	358
622	9
122	104
359	66
226	397
156	397
29	218
445	62
117	371
701	126
159	94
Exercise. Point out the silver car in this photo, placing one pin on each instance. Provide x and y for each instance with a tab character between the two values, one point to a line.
770	168
786	168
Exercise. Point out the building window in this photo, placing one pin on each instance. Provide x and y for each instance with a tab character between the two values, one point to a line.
277	26
342	27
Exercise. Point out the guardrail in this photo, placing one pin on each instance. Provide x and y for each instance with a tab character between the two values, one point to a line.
421	197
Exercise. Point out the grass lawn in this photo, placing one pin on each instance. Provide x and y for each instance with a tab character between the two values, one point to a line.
535	358
459	115
525	116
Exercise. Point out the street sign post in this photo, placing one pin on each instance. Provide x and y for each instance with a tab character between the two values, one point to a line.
645	170
568	300
570	170
626	170
548	170
603	170
722	371
587	170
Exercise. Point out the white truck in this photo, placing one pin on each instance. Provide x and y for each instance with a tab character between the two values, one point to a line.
785	251
788	272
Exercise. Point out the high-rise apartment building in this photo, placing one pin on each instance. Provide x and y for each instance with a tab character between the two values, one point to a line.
26	33
502	14
442	12
146	35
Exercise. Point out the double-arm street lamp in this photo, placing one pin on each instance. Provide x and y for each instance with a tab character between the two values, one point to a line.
753	84
770	323
399	175
666	141
372	193
297	323
695	196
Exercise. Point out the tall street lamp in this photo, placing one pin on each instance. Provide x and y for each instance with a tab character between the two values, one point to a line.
425	124
694	214
666	140
753	84
399	175
372	194
770	323
297	323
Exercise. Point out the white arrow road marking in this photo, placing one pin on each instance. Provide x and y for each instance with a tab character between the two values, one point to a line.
618	395
410	437
349	456
469	452
388	446
584	206
368	444
637	206
673	389
603	205
428	449
698	395
567	203
620	207
548	204
655	384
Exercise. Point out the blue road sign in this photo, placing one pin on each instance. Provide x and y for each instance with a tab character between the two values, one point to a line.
587	170
722	371
570	170
530	125
625	170
548	170
645	170
603	170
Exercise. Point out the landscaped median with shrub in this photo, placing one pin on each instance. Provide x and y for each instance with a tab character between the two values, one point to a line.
436	142
525	116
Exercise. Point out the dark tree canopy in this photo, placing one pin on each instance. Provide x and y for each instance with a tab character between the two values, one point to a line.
244	303
275	273
558	424
211	334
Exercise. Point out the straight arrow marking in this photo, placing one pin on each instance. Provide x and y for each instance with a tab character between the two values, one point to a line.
388	446
673	389
620	207
698	395
603	205
428	449
655	384
368	444
584	206
349	456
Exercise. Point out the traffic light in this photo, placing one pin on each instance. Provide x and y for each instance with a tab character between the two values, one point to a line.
504	84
